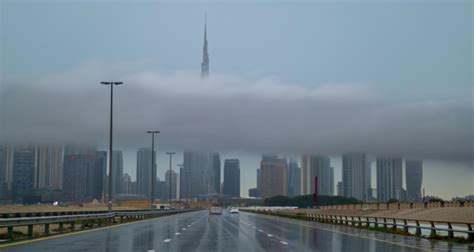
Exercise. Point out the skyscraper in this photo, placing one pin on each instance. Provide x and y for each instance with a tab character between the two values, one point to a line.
414	178
273	176
173	179
97	176
294	178
316	165
355	176
216	172
232	178
79	165
198	172
331	181
205	54
339	188
144	157
117	172
389	179
48	167
23	166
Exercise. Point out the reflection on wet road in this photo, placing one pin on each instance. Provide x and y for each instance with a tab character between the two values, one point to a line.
199	231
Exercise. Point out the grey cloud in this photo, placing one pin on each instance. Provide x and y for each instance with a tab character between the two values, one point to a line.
230	113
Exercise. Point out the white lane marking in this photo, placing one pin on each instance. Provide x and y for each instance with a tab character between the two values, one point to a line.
189	225
269	235
284	243
177	233
151	250
183	228
260	230
254	227
167	240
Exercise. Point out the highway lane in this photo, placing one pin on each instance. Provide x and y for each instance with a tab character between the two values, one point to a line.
199	231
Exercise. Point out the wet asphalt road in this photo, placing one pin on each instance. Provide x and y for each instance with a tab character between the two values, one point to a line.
199	231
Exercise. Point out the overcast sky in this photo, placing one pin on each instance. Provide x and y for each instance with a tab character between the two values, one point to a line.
391	78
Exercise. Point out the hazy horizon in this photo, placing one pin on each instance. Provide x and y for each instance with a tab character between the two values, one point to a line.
289	78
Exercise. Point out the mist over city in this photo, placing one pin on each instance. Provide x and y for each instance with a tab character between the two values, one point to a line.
287	109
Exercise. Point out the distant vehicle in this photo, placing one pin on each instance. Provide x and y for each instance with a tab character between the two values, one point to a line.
234	210
215	210
161	206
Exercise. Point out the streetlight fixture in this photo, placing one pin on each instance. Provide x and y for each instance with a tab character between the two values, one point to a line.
153	172
171	155
111	84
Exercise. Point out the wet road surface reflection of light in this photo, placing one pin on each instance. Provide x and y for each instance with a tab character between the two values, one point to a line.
199	231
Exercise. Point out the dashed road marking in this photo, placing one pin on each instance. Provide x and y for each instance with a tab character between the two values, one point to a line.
260	230
177	233
167	240
284	242
183	228
269	235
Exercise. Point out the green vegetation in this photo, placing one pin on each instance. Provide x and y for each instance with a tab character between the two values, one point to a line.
306	201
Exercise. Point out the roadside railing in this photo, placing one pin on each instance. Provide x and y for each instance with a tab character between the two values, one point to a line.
68	222
435	229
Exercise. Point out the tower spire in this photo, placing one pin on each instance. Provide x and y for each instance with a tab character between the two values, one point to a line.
205	54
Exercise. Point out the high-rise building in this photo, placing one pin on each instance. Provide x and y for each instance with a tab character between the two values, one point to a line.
232	178
129	186
205	55
273	176
389	179
216	172
97	177
173	179
339	188
294	178
356	176
79	164
144	157
117	172
23	166
316	165
414	179
48	167
198	173
331	181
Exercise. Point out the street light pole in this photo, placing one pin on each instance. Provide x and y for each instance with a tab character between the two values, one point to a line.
153	172
112	84
171	155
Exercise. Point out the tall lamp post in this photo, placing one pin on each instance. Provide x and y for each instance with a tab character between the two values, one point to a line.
111	84
171	182
153	172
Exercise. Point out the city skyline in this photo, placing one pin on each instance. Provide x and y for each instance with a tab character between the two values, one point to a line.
443	144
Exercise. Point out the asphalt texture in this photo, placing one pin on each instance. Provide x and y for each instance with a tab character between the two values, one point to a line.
200	231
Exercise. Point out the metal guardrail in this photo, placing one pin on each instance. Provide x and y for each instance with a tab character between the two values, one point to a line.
85	220
386	222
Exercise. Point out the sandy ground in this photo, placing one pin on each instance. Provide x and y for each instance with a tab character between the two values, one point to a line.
51	208
451	214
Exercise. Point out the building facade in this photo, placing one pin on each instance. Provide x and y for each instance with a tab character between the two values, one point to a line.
320	166
273	176
414	179
389	179
23	169
232	178
356	176
144	159
294	178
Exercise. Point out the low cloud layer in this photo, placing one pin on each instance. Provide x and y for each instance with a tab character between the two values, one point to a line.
232	113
